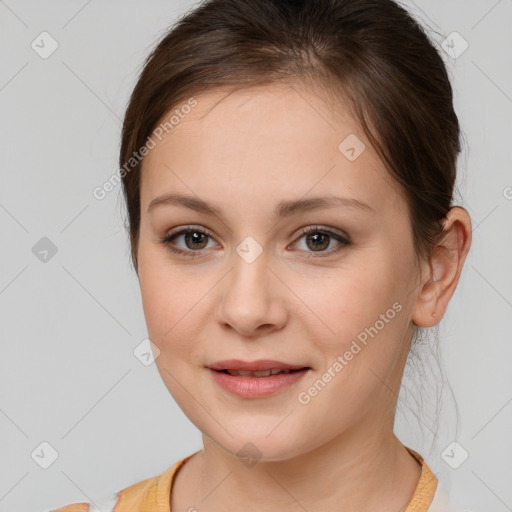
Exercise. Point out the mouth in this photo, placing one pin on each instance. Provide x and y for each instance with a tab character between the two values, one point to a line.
256	379
260	373
259	365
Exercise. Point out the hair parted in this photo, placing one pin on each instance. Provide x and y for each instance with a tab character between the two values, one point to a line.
371	54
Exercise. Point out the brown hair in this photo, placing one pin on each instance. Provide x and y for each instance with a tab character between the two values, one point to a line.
371	53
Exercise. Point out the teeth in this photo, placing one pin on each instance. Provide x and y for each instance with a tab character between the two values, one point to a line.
259	373
262	373
275	371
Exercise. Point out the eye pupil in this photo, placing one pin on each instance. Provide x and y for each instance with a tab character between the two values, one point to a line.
193	235
323	238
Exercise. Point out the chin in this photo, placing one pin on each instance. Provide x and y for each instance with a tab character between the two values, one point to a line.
253	445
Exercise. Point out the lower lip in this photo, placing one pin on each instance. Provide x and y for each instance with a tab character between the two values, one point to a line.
256	387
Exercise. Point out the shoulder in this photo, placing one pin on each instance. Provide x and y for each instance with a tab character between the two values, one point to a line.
127	498
149	494
431	494
106	504
442	501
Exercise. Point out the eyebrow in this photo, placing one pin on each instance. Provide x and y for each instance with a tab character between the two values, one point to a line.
284	208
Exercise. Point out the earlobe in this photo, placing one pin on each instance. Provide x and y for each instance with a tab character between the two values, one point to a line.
446	263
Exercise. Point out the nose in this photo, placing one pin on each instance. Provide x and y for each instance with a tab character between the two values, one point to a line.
252	298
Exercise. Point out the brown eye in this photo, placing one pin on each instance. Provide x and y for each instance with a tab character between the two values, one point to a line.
317	240
194	241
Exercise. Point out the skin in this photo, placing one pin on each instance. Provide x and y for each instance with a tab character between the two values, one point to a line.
245	152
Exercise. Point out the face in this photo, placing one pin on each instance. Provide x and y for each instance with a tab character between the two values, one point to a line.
272	279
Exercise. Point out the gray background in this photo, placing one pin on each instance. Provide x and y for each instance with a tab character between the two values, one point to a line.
69	325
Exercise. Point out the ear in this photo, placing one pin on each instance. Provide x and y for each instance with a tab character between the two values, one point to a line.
443	269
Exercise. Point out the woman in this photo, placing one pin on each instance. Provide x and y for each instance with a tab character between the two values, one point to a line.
288	169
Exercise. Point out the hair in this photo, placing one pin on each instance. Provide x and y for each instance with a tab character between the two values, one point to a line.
369	53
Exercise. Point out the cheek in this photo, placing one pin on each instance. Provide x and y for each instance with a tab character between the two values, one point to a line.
352	299
366	312
170	319
163	298
175	305
158	305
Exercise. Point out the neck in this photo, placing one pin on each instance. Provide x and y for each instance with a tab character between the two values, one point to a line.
364	470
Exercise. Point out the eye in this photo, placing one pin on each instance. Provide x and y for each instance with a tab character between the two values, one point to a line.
318	239
196	239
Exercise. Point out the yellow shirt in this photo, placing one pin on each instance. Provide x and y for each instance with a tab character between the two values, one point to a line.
153	494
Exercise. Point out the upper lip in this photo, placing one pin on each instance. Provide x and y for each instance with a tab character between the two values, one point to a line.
254	366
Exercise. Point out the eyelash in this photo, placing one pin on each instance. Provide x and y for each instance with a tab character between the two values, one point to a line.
344	241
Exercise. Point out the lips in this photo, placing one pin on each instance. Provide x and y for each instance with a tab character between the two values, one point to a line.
259	373
258	368
256	379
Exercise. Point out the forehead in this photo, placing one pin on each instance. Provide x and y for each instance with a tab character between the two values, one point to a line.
277	141
277	112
